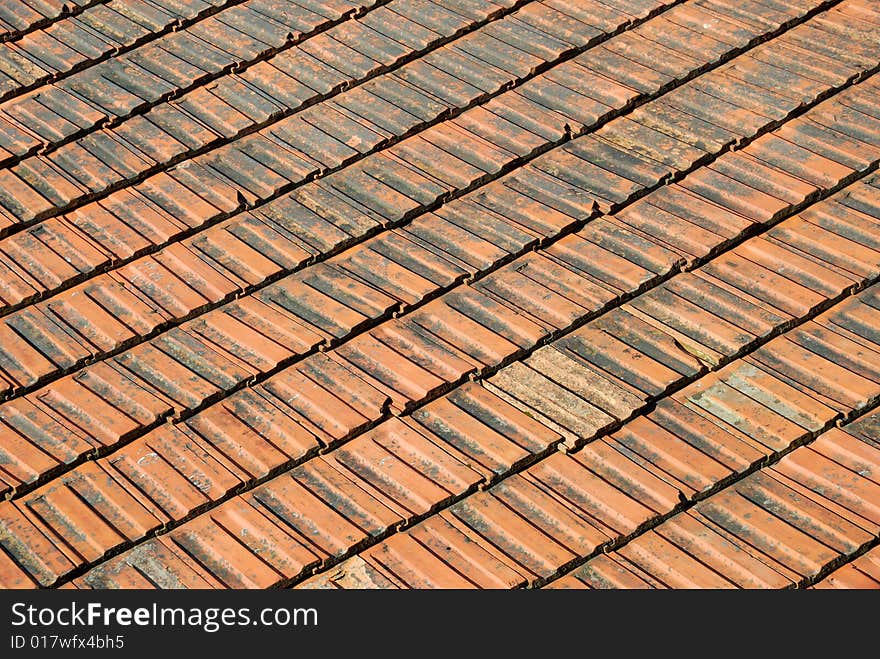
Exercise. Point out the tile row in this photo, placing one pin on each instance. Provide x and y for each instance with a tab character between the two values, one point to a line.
862	573
94	32
323	400
723	424
263	86
155	62
363	118
59	114
185	369
377	38
521	530
402	392
175	471
550	516
400	267
812	152
251	234
363	464
607	370
600	375
255	247
777	528
477	327
18	18
581	385
457	477
250	170
151	214
116	26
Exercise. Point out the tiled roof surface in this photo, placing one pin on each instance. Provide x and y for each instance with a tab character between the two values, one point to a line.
450	293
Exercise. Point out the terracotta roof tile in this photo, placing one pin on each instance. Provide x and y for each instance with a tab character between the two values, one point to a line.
439	295
861	573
